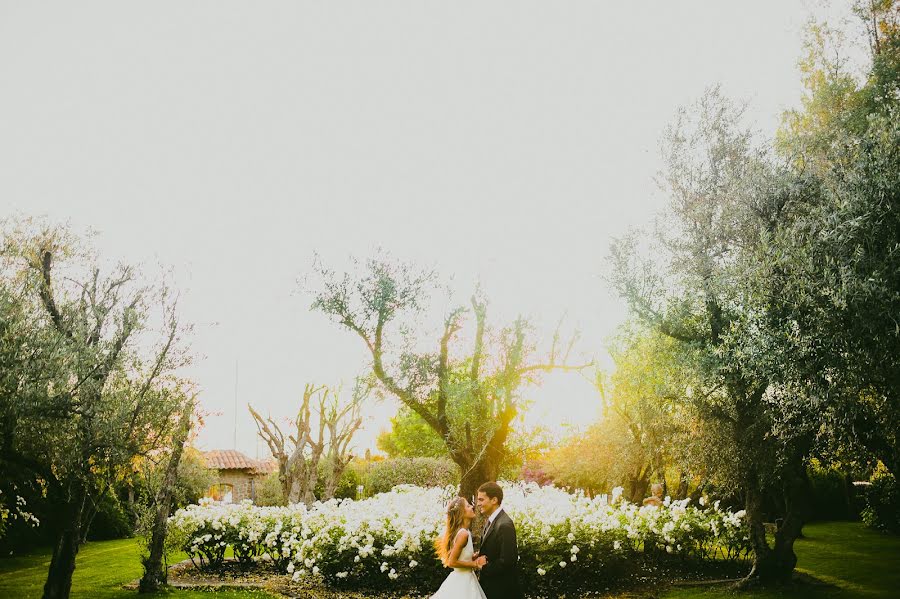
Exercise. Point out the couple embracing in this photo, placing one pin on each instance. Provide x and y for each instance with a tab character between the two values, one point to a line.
497	560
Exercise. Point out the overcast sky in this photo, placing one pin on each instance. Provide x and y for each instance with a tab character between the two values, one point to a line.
500	142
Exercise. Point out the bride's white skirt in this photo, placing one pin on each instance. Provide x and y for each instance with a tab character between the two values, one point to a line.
460	584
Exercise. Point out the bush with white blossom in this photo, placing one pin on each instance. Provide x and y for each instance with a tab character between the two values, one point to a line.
386	541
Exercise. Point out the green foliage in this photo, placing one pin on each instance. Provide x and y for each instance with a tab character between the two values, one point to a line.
587	461
88	386
834	250
841	288
346	487
424	472
882	510
111	522
831	492
269	491
645	433
411	437
192	481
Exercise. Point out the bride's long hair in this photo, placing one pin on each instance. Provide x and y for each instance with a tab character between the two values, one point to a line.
456	519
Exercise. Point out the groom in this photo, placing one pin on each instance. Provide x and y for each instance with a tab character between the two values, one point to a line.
499	555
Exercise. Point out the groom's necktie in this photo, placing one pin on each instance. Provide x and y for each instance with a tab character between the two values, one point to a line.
484	529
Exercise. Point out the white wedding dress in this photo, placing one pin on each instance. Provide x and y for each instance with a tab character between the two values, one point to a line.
461	583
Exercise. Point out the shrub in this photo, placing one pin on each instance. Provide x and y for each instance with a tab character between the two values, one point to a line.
111	521
568	543
346	488
882	511
268	491
422	472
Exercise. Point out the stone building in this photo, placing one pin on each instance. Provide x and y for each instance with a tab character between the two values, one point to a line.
238	476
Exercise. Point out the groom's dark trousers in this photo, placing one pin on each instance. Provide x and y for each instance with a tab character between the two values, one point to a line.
500	576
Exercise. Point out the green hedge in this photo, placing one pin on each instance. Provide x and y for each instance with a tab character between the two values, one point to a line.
882	511
381	477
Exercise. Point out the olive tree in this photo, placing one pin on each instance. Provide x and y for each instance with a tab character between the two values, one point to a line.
107	344
711	284
320	430
378	303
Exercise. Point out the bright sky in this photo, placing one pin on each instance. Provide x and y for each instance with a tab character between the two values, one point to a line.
501	142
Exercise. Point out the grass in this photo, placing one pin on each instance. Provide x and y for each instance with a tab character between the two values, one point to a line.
101	569
840	560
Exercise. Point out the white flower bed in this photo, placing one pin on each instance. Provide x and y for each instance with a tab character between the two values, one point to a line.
388	540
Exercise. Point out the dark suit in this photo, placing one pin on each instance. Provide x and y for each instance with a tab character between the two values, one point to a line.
500	576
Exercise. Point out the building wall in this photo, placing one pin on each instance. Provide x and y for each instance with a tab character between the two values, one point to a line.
243	484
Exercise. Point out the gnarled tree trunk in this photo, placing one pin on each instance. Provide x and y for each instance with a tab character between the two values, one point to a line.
775	564
155	574
62	563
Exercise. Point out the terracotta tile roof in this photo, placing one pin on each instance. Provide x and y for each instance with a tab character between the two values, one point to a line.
229	459
266	466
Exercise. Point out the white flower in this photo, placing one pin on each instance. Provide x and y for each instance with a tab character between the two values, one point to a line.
342	574
541	571
702	501
290	568
315	570
617	545
575	549
562	564
571	537
413	563
574	558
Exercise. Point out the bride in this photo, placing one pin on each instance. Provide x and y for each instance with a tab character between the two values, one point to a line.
455	549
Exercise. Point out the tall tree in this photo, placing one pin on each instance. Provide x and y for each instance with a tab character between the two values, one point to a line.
709	286
837	251
646	400
374	302
324	430
97	405
342	420
155	573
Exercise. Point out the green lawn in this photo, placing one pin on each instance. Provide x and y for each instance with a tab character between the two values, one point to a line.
101	570
848	560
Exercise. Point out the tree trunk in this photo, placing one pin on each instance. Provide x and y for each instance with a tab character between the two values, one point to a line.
62	564
155	574
287	480
474	475
336	467
637	486
776	565
293	495
683	484
309	476
763	564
